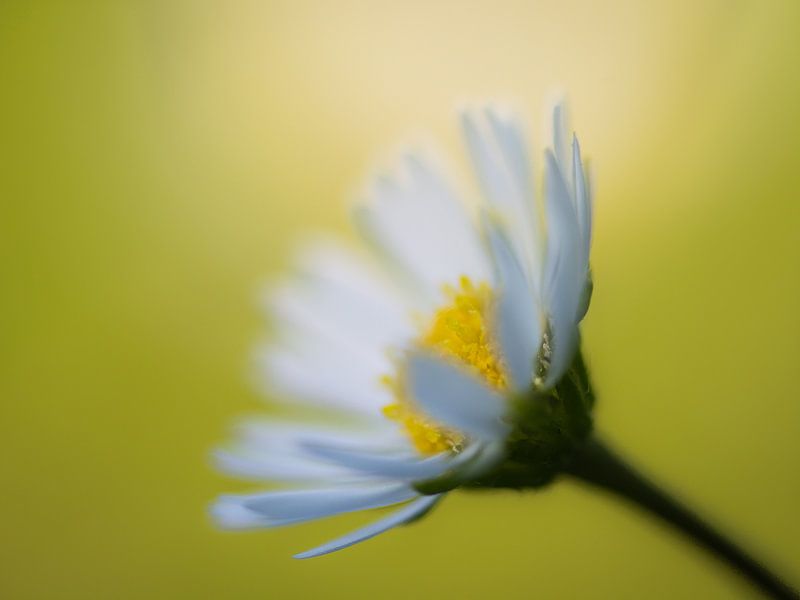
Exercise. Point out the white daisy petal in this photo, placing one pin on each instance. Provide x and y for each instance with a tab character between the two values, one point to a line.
306	505
343	287
275	436
487	457
408	513
310	374
278	450
518	315
231	514
279	467
464	244
501	160
477	459
456	398
307	314
336	327
500	182
403	467
564	278
582	201
423	228
511	143
560	142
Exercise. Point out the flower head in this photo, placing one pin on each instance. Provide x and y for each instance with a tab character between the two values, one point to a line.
448	356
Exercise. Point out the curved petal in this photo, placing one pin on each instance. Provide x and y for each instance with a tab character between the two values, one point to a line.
231	514
334	322
279	435
302	311
476	460
400	517
305	505
280	467
518	313
560	141
490	454
279	450
397	467
350	292
455	397
583	202
301	371
563	280
502	161
422	227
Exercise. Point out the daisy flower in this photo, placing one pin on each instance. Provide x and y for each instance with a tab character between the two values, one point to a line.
445	354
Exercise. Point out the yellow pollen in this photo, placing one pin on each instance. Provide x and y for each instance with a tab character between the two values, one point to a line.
458	331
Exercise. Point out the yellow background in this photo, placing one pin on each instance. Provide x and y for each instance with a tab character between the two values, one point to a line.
157	160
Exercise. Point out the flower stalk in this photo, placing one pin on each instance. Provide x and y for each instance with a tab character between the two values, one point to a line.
598	465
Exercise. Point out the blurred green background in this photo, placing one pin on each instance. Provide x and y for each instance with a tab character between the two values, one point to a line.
158	158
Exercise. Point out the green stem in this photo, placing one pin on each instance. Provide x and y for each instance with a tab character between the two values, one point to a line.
597	465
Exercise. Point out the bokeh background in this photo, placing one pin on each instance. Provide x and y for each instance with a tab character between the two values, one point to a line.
157	160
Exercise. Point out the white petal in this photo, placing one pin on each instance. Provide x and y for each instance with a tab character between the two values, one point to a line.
305	505
398	467
421	226
505	183
311	374
288	451
489	455
456	398
518	314
582	200
278	450
347	289
502	162
560	143
512	144
476	460
231	514
335	324
311	314
564	279
281	467
274	436
399	517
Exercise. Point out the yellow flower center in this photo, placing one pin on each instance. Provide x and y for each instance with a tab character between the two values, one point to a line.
460	331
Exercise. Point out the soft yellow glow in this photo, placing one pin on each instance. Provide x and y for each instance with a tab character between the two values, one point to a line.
458	330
